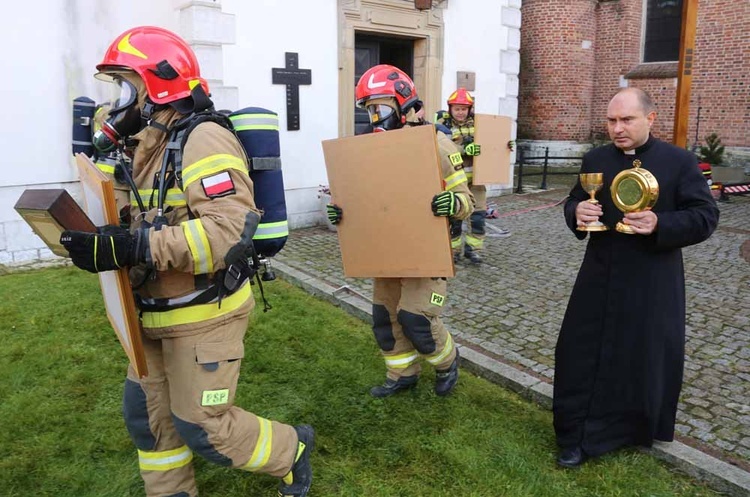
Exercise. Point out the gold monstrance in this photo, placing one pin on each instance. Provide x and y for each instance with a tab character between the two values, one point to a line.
634	190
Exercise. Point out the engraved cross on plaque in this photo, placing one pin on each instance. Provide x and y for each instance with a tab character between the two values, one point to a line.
291	76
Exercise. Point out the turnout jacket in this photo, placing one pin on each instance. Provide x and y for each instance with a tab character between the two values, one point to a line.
211	218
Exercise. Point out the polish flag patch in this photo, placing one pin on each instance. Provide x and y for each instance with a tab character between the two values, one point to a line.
218	185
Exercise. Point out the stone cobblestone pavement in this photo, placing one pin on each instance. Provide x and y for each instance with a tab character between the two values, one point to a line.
512	306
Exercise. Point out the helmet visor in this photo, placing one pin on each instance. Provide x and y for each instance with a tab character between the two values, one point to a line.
379	113
122	94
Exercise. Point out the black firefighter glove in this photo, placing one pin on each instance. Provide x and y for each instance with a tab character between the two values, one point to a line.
334	213
111	247
445	204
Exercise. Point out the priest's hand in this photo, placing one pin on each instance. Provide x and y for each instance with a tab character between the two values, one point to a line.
586	212
643	223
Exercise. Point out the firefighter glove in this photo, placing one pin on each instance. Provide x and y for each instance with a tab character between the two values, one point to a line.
334	212
442	116
472	149
445	204
111	247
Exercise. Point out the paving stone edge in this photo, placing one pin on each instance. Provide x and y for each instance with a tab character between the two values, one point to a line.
717	474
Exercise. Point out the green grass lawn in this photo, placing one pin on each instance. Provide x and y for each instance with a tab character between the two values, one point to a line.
306	362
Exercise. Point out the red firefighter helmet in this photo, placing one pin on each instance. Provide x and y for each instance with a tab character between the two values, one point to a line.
164	61
383	81
461	97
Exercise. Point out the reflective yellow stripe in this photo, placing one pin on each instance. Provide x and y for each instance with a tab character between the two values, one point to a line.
211	165
114	254
96	251
164	460
124	46
197	313
455	179
437	359
456	242
267	231
262	451
462	131
200	249
243	122
106	168
400	361
474	241
175	197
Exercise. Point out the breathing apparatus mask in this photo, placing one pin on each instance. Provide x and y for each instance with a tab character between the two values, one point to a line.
124	118
383	117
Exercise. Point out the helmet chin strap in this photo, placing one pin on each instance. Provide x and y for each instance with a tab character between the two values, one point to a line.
147	113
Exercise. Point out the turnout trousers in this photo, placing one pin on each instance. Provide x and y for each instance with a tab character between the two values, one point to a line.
185	406
474	239
407	325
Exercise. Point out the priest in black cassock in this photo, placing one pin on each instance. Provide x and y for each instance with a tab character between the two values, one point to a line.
619	357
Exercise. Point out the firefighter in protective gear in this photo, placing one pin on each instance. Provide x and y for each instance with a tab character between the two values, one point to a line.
187	249
460	120
406	311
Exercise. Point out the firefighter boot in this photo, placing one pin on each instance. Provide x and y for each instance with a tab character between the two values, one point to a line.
472	255
393	386
297	482
456	257
445	380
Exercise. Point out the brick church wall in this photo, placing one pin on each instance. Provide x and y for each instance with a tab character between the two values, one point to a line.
557	66
553	74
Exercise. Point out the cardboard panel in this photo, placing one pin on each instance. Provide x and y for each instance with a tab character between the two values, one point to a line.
99	196
492	133
384	183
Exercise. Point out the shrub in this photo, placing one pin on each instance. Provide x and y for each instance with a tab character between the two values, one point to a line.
713	151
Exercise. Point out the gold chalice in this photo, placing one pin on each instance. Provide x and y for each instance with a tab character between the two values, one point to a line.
592	183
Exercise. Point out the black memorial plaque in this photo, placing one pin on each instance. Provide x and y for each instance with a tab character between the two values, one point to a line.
291	76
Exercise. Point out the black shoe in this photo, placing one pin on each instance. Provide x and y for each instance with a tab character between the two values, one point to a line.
393	386
473	257
456	257
446	380
571	457
297	482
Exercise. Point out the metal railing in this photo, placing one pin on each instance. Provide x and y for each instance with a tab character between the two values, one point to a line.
522	159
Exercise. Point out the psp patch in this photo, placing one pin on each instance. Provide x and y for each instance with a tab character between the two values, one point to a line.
456	160
437	299
218	185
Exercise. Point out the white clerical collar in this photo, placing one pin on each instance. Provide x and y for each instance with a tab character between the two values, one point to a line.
629	152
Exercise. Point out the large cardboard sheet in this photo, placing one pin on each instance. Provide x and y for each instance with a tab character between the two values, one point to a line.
99	197
384	182
492	133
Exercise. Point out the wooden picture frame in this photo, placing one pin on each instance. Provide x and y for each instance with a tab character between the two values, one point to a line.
384	183
99	197
492	165
49	213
